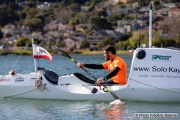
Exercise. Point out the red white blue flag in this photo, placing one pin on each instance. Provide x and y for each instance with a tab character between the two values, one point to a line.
39	52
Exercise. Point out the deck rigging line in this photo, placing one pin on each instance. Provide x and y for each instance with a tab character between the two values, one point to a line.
154	86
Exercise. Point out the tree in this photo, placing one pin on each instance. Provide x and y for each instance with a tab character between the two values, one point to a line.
58	43
74	21
34	24
114	18
91	6
138	38
126	36
107	40
48	44
7	35
1	35
63	15
178	42
102	13
101	23
83	17
22	42
7	14
171	25
84	44
100	45
123	45
75	7
157	4
34	20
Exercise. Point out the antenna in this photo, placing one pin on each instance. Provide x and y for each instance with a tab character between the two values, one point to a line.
150	24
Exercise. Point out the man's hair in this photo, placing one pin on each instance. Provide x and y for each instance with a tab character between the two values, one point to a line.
111	48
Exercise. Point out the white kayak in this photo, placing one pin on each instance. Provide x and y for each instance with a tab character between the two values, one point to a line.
46	84
154	76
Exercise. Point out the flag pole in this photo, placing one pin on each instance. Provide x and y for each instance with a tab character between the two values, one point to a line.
33	56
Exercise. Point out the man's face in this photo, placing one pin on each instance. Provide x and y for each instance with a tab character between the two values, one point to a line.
106	55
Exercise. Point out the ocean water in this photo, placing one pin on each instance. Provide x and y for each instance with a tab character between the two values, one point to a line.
33	109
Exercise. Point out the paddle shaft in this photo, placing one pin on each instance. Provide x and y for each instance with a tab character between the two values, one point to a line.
73	60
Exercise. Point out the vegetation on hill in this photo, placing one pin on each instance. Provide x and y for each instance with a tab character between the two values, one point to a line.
22	13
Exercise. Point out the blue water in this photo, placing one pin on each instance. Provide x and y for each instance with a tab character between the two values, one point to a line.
31	109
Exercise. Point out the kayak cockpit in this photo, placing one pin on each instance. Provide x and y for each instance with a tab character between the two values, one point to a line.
84	78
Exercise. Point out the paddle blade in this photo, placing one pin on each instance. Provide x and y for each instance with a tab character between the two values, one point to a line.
61	52
118	101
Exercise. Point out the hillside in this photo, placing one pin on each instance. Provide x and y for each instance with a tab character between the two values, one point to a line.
24	18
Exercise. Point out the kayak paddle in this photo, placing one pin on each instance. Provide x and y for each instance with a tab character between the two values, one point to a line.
73	60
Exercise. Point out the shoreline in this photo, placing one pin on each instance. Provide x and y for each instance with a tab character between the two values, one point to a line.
53	52
101	52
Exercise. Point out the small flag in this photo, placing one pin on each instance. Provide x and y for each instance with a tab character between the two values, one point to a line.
39	52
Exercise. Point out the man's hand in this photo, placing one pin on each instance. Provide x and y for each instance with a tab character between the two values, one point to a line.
99	81
80	64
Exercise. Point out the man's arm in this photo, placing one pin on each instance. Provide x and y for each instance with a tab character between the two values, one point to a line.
94	66
112	73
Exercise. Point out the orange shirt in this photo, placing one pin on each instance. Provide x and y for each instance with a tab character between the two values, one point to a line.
120	77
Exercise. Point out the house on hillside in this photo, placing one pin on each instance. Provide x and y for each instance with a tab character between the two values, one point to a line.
84	8
67	28
169	5
52	37
144	9
22	32
122	30
44	6
8	29
174	12
97	36
11	33
78	35
38	35
119	1
72	43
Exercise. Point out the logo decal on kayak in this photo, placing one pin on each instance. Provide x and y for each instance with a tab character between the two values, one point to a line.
161	57
19	79
4	79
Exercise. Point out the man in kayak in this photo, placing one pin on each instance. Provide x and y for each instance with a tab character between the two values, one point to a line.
114	64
